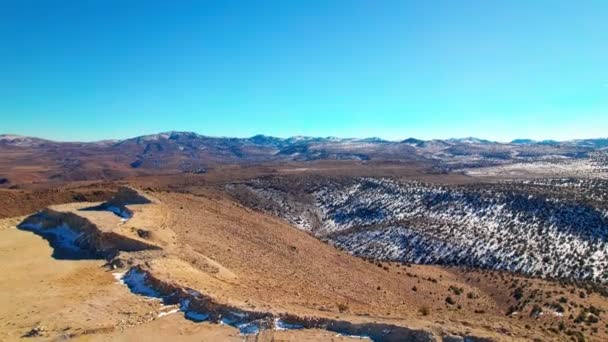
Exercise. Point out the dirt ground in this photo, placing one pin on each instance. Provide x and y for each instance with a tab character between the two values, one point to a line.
82	300
67	296
175	328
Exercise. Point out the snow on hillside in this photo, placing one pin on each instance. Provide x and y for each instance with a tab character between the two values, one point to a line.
506	227
569	167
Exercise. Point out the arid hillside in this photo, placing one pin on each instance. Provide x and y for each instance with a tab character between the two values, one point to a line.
551	228
159	263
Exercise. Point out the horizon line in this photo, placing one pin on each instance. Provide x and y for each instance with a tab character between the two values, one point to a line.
298	136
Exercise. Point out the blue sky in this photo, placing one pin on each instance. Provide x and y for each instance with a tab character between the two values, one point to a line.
87	70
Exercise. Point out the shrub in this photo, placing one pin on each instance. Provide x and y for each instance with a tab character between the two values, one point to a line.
342	307
518	293
594	310
580	318
536	311
457	290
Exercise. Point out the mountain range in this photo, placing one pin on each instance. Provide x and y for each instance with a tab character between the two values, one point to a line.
192	152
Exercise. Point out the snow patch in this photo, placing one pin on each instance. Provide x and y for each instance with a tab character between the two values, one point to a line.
124	214
119	277
63	236
279	324
358	337
165	313
196	316
136	282
251	328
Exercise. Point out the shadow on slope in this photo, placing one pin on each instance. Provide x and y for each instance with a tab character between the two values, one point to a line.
118	203
73	237
58	229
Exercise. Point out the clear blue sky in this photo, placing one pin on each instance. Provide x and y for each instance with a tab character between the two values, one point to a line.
86	70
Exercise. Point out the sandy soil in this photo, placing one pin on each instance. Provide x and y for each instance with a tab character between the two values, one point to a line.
64	297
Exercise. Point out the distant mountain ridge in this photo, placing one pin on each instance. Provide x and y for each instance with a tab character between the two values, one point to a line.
192	152
267	139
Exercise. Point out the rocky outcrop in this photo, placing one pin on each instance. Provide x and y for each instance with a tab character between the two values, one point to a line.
375	331
73	236
119	202
198	306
